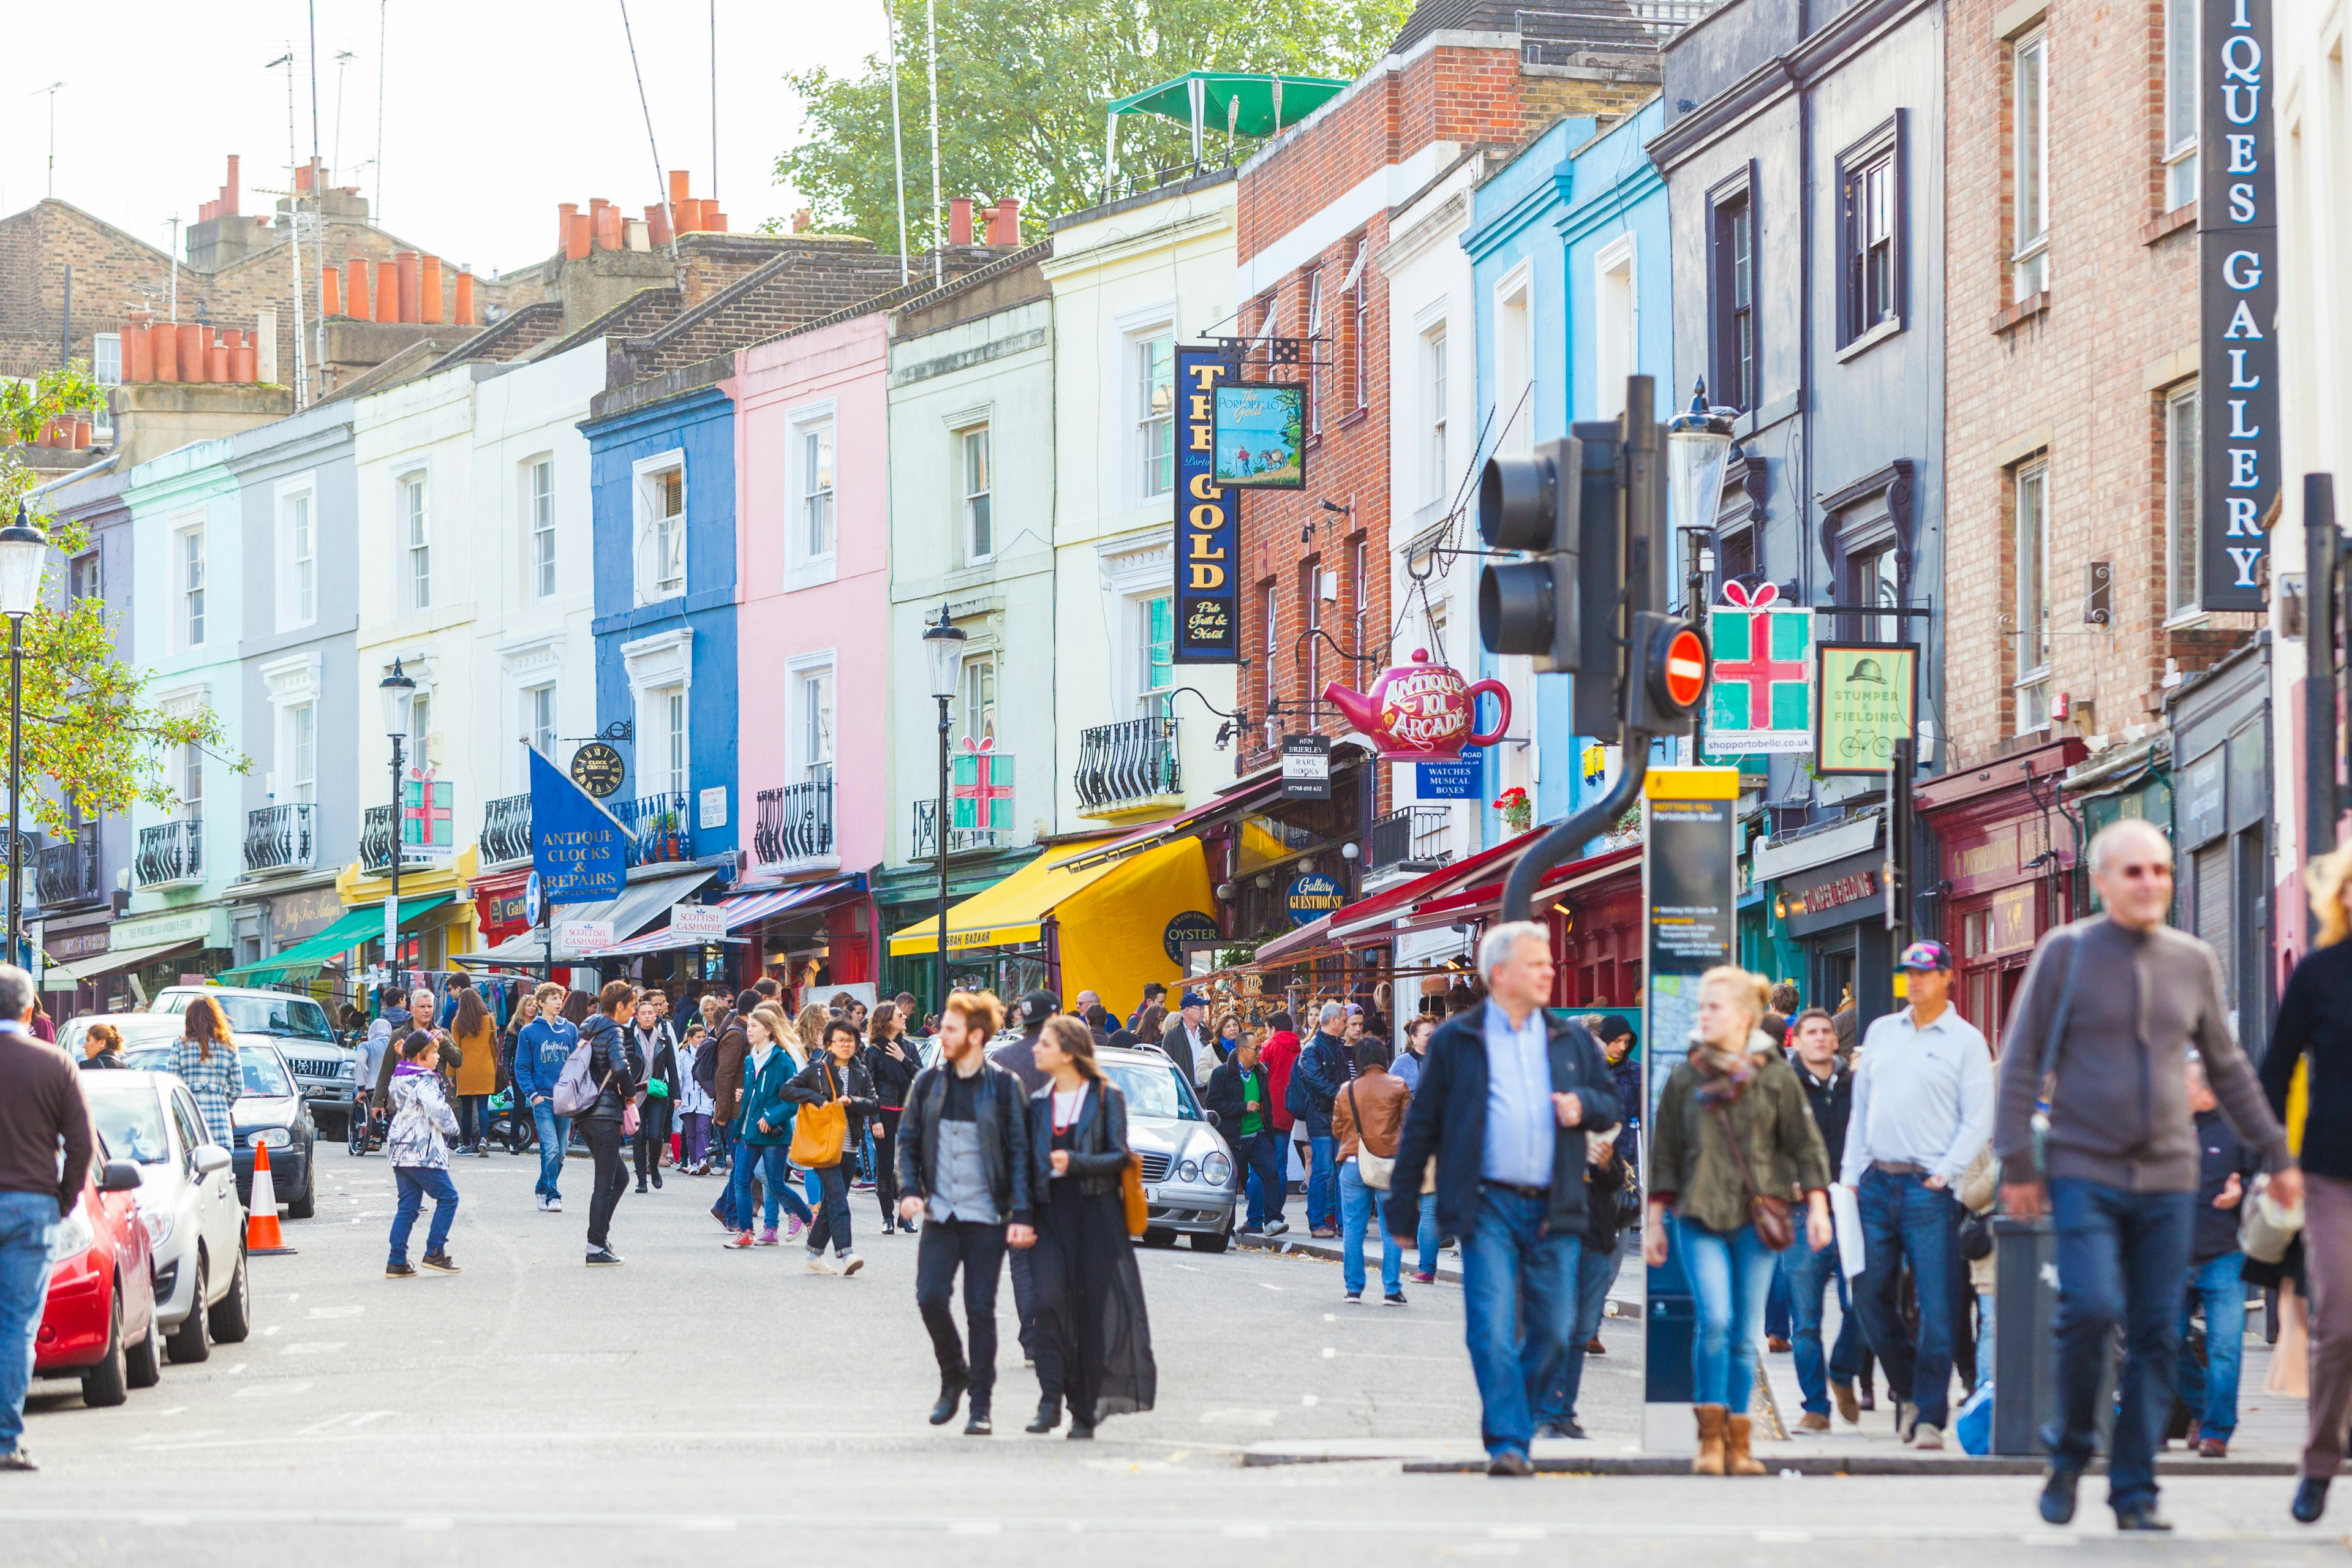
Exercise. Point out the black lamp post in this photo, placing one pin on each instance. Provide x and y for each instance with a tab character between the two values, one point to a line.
24	549
399	694
943	648
1698	449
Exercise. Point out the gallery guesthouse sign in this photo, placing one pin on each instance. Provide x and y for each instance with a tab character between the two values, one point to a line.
2237	294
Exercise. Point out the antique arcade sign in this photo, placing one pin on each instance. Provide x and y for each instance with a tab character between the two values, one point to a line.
1208	518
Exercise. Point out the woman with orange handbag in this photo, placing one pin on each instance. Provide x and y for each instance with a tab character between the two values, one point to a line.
1093	1335
833	1090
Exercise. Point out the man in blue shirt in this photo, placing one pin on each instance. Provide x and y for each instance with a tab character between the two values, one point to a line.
540	1053
1507	1096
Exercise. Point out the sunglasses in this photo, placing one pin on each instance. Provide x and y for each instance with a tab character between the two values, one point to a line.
2145	871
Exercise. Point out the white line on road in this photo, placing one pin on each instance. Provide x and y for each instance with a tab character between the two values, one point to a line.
313	1347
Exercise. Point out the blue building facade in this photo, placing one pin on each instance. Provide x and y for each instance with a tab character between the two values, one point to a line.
662	463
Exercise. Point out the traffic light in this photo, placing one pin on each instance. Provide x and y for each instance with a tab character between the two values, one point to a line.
1665	677
1531	504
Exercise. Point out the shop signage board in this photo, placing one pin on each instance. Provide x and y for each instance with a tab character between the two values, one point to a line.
1187	931
577	847
979	792
707	921
1307	767
1451	779
1762	693
2237	294
1208	521
293	916
583	936
1261	435
1867	699
1312	895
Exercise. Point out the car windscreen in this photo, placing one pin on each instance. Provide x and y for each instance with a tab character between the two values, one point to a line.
296	1017
129	1116
264	1073
1154	1089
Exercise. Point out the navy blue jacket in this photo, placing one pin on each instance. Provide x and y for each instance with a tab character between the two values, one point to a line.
1323	1067
1447	1119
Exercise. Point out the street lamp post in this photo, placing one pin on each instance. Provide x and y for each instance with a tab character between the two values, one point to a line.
1698	449
398	693
23	551
943	650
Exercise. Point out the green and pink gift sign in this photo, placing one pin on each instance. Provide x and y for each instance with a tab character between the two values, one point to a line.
1762	696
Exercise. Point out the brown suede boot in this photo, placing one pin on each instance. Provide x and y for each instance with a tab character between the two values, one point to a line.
1709	1461
1735	1458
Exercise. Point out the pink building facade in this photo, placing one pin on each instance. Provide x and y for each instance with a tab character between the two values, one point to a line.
812	577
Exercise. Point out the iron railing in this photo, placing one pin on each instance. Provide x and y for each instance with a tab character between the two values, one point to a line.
925	845
795	821
1408	835
171	852
506	830
281	838
67	873
662	826
1126	763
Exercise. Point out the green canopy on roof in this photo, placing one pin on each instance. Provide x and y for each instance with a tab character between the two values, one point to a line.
1258	97
357	926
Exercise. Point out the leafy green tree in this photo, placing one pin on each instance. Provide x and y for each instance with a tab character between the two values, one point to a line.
1022	88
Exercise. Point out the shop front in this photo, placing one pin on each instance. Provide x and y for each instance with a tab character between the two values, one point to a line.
2222	880
69	942
808	936
500	907
1836	916
320	963
2006	845
147	952
544	950
428	949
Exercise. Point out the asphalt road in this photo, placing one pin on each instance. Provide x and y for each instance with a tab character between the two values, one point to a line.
735	1408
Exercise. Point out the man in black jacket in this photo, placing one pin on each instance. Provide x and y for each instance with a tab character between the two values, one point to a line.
1238	1094
1829	1092
1505	1101
963	1171
1325	1064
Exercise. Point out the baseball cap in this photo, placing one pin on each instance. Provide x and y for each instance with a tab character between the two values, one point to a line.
1194	999
1922	955
1036	1008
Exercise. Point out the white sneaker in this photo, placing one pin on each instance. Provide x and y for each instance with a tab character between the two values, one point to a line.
555	1205
819	1263
1906	1420
1277	1226
540	1201
1927	1434
848	1263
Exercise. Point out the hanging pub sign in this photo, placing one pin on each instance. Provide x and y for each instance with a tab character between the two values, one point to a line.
1420	713
578	848
1868	699
1208	521
1261	435
2237	296
1760	696
1307	767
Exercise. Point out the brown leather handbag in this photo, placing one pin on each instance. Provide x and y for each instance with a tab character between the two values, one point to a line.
1774	1218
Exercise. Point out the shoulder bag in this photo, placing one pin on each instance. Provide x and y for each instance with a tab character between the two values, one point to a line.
1774	1218
2046	1081
820	1130
1374	1169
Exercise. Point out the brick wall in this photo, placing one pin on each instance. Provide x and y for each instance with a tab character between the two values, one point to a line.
2075	378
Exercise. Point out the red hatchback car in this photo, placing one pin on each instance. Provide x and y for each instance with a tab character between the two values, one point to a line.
99	1323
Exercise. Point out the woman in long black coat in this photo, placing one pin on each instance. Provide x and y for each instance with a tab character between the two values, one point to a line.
1093	1337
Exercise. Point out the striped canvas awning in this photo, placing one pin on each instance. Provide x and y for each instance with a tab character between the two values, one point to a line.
743	909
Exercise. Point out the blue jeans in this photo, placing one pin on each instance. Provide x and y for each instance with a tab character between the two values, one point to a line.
2122	1257
1515	1275
24	1222
1323	1182
2210	1392
1360	1212
1261	1156
1425	1237
767	1161
554	1134
1595	1271
1904	1218
1730	1275
1807	1274
416	1183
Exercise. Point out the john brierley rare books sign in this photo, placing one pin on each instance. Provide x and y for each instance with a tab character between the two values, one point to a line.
2237	249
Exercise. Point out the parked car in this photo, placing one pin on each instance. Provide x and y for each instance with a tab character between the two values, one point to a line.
1188	1170
323	1065
187	1201
99	1323
269	1111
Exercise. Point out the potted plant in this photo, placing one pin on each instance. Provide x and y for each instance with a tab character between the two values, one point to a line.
1516	808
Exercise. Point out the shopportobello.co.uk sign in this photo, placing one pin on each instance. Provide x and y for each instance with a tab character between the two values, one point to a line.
2237	250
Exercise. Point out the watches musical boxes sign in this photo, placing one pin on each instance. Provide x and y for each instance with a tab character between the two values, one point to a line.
1208	518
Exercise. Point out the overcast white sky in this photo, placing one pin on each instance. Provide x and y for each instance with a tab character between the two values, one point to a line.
494	110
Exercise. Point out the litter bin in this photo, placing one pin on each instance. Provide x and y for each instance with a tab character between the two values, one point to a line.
2025	1305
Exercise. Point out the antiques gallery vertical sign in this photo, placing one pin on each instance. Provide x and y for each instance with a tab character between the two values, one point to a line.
2237	250
1208	516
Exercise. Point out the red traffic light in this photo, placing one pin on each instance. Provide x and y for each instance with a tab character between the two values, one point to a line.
1685	669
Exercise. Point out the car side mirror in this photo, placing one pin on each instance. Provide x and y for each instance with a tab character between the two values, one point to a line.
120	1177
210	1157
1214	1120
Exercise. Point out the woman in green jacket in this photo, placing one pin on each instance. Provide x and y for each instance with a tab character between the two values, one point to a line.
767	1128
1732	1127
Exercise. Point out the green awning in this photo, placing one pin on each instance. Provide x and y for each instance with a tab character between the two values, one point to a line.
358	925
1234	100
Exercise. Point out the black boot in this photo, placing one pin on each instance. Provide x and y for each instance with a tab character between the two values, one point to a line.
979	1426
950	1395
1049	1415
2310	1500
2058	1495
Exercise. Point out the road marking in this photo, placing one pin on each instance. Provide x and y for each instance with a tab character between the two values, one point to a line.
1308	1399
1264	1286
273	1390
975	1527
270	1331
1330	1353
175	1410
1516	1532
1237	1417
427	1521
1788	1537
313	1347
1248	1531
321	1312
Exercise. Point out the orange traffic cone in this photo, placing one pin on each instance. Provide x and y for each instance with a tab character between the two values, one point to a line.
261	1234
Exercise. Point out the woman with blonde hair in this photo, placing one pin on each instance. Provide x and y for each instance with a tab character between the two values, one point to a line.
204	1057
1733	1146
775	1060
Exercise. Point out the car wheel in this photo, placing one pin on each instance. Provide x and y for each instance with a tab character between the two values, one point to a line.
192	1340
1222	1239
145	1362
306	1206
109	1383
1159	1235
231	1319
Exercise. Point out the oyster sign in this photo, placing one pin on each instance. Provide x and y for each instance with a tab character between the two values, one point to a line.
1420	713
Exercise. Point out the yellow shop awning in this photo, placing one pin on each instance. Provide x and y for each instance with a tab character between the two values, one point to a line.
1013	912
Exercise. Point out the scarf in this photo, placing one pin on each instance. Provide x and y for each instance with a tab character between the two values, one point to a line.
1726	1072
760	1055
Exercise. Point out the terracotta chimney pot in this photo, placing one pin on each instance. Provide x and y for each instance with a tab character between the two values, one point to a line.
657	226
355	288
960	220
387	291
330	291
465	300
428	290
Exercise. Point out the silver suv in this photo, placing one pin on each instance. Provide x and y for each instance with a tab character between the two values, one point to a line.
322	1066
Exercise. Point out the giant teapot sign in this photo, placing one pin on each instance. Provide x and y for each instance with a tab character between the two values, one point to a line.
1420	712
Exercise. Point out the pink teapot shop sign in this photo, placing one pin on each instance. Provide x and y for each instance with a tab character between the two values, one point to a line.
1420	713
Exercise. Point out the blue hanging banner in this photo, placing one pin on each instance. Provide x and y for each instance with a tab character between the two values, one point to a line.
577	847
1450	780
1208	520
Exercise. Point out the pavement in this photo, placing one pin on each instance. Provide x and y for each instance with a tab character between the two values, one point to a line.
734	1407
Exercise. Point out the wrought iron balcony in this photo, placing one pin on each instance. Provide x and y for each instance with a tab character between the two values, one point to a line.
68	873
281	838
171	853
1128	764
506	830
795	821
926	845
1411	836
663	826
